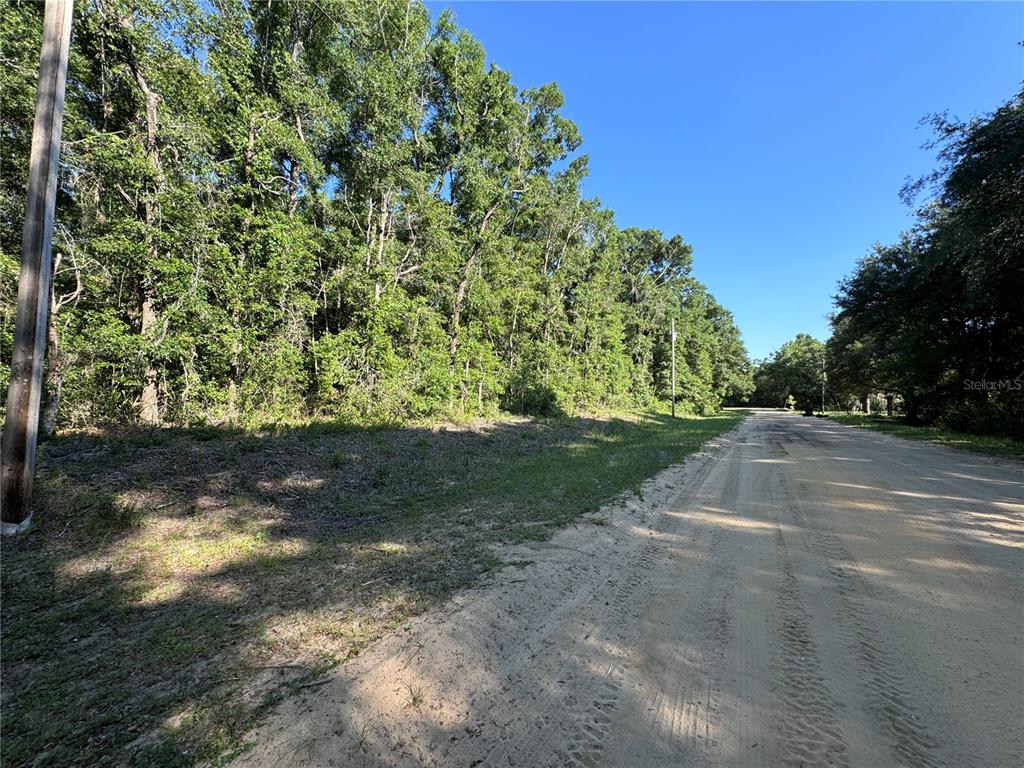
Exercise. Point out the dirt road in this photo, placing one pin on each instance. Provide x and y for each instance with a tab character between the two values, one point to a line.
800	594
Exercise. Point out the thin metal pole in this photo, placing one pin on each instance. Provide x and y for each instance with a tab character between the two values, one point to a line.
673	367
21	426
823	382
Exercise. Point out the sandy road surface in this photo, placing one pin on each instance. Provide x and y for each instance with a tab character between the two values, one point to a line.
800	594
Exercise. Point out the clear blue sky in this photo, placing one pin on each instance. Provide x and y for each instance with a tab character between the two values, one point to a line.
774	137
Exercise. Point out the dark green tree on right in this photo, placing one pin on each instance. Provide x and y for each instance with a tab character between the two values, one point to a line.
937	319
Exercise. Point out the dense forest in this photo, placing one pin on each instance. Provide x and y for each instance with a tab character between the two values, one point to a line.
336	208
933	323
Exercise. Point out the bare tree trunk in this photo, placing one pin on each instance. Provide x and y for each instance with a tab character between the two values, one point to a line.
149	401
149	404
460	298
54	374
233	390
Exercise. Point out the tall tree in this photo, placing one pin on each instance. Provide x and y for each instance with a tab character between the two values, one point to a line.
287	209
936	317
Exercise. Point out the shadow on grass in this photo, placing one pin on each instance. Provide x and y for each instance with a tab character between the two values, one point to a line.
178	582
992	445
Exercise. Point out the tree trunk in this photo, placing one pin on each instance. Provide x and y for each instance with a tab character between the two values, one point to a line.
149	404
911	407
889	404
232	399
54	374
460	293
293	186
460	298
293	164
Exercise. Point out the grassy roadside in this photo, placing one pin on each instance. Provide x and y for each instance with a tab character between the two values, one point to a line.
988	444
178	583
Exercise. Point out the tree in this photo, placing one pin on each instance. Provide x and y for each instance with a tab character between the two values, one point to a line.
936	317
794	370
272	211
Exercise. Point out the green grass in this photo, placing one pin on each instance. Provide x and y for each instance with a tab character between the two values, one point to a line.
176	585
992	445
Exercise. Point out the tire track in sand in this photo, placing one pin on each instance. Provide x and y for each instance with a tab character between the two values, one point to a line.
811	732
678	665
572	726
910	741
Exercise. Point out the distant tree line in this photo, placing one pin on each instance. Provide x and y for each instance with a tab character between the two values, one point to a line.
935	321
275	210
792	376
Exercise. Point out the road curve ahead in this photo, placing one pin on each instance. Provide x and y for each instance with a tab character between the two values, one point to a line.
800	594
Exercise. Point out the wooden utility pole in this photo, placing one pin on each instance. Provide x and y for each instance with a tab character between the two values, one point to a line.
21	427
673	367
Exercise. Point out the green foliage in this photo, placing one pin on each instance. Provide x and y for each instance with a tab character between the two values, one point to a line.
936	318
792	376
271	211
